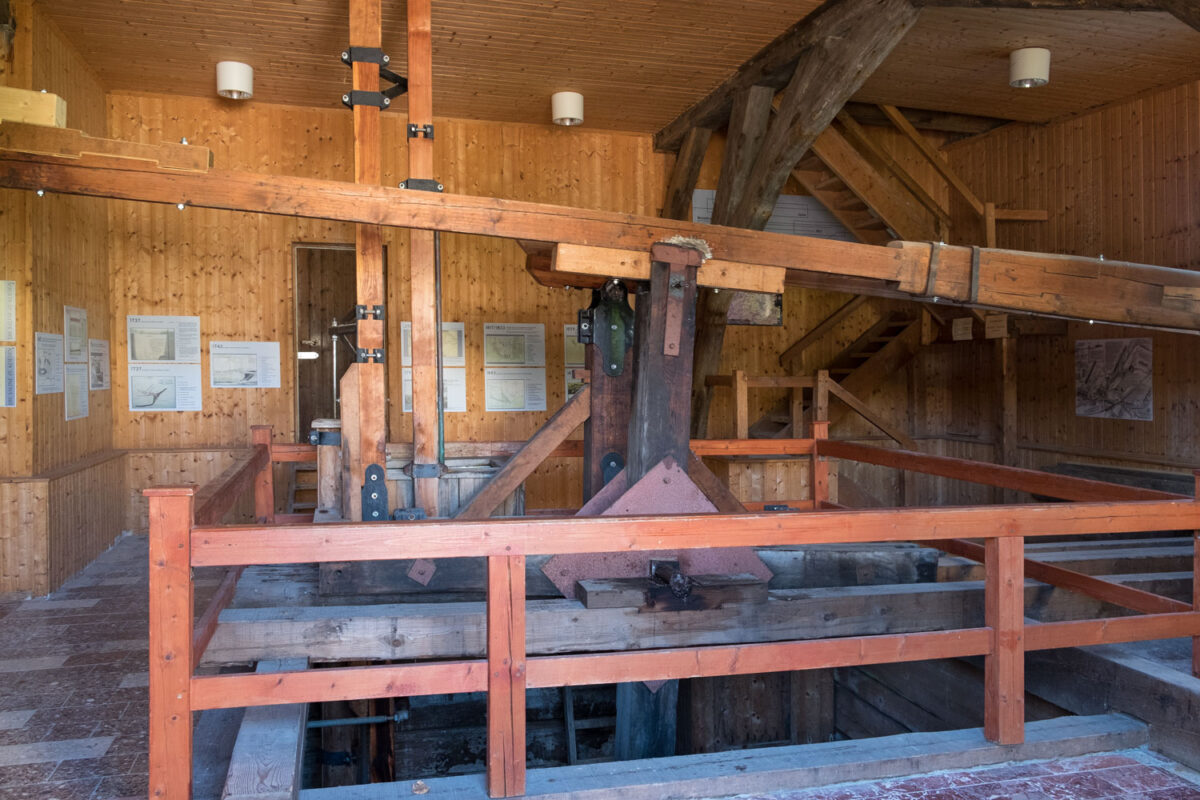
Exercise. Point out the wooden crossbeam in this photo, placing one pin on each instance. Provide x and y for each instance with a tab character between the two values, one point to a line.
685	173
72	143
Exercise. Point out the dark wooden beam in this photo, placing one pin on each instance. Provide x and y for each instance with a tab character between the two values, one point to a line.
1064	5
1187	11
683	177
925	120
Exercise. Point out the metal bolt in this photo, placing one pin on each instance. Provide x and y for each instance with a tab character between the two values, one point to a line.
374	495
614	326
345	56
440	187
584	326
387	101
374	513
612	366
345	98
374	477
387	59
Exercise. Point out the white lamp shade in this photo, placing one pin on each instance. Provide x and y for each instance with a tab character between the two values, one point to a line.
235	80
566	108
1029	67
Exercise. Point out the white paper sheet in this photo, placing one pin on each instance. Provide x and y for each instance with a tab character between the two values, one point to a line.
514	389
157	339
165	387
8	376
514	344
454	389
8	311
573	352
75	391
99	366
243	365
48	363
75	331
454	344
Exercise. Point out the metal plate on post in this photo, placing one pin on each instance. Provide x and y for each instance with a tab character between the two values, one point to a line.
374	495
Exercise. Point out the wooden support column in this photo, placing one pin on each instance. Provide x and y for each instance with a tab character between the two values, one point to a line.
741	405
506	676
606	431
1196	583
171	510
1004	666
420	256
1006	439
820	466
363	389
264	481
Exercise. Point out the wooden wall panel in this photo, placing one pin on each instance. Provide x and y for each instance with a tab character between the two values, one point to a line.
169	467
23	537
85	507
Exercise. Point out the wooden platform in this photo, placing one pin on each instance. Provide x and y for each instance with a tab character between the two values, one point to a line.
803	766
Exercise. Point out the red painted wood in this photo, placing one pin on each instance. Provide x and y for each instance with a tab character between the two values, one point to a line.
170	642
506	676
264	481
206	626
1004	666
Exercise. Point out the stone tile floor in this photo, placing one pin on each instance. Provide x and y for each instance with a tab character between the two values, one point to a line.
73	676
73	710
1130	775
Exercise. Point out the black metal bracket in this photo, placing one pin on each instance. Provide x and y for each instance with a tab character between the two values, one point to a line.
608	324
362	312
415	130
409	514
374	494
368	354
322	437
421	185
426	470
374	55
357	98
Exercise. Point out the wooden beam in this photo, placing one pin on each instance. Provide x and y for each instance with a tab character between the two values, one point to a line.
678	202
506	676
1056	5
32	107
864	411
607	262
935	158
925	120
266	760
218	496
1068	286
713	487
748	123
75	144
820	329
528	458
1023	480
853	38
1186	11
1004	665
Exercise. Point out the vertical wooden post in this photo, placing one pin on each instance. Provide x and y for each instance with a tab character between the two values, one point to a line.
1006	439
606	430
422	285
264	482
796	411
363	389
989	224
820	467
1196	580
1004	666
506	676
741	404
171	514
821	397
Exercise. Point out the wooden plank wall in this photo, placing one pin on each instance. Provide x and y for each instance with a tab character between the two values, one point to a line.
1123	181
172	467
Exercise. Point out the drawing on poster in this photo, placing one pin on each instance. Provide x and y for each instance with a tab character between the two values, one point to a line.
1114	378
152	391
151	344
504	349
234	369
452	344
75	395
75	329
505	394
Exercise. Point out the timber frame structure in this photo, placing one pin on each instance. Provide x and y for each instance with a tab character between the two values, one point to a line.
583	248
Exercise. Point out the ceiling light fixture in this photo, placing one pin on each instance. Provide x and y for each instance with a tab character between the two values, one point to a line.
566	108
235	80
1029	67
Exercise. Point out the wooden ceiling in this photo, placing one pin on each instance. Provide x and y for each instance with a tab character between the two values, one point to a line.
639	63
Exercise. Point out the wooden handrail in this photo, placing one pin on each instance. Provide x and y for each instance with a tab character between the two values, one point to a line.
214	500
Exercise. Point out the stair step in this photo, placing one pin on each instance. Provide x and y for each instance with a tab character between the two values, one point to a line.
304	507
873	224
811	163
829	183
302	487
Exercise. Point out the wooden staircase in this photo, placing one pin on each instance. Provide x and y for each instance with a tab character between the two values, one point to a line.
302	488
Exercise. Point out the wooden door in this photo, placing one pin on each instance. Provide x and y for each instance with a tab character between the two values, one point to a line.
325	293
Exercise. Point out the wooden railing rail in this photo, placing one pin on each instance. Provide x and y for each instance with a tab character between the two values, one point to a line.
177	545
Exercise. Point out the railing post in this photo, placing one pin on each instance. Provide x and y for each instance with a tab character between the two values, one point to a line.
820	465
171	510
741	404
506	676
1196	580
1004	666
264	482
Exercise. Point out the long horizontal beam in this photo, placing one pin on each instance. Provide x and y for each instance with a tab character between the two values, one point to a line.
1069	286
236	545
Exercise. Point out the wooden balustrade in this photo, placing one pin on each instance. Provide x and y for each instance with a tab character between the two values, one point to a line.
177	544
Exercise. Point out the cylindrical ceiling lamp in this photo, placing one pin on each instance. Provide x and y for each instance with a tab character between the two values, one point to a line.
566	108
235	80
1029	67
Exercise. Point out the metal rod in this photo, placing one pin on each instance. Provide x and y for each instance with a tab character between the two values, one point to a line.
334	351
399	716
441	389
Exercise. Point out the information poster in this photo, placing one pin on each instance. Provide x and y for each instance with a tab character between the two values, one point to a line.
454	344
48	361
243	365
573	359
454	389
165	387
962	329
8	376
1114	378
75	332
99	366
75	394
175	339
514	389
8	311
514	345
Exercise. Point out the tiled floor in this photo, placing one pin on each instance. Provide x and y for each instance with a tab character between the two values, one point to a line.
72	687
73	710
1132	775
